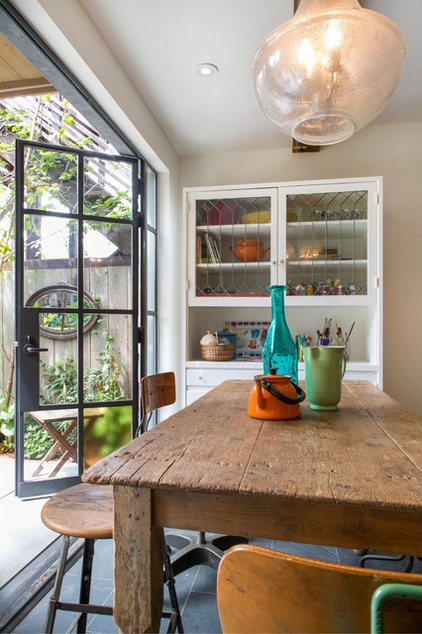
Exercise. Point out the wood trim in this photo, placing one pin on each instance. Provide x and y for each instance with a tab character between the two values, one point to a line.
24	87
18	77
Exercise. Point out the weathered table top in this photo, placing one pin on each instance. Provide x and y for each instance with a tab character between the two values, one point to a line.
369	451
350	478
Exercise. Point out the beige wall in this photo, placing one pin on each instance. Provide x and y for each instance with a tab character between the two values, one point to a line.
394	152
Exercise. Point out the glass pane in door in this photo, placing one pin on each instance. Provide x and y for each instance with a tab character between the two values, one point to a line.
50	444
49	254
108	187
50	179
107	373
107	260
105	430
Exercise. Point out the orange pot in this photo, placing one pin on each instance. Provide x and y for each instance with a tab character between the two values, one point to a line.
274	397
249	250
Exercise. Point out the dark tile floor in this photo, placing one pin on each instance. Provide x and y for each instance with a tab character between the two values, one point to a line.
195	590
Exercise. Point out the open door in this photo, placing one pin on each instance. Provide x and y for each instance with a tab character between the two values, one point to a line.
77	225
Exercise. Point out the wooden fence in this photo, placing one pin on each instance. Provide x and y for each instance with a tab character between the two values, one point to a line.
110	285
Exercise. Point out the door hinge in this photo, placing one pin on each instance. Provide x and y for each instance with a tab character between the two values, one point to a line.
140	186
141	334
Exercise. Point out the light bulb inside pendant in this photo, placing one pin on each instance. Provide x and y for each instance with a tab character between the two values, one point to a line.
328	71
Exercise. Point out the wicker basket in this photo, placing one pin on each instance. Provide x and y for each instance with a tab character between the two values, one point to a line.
222	352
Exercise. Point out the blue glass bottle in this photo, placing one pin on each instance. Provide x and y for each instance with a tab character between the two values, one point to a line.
279	350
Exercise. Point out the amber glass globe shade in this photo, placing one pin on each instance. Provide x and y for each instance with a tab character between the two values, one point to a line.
328	71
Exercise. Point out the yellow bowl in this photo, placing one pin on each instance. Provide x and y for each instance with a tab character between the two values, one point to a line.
256	217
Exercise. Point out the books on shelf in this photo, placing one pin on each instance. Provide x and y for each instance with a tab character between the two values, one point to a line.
213	249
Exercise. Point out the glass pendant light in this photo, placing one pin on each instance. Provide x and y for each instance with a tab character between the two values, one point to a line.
329	71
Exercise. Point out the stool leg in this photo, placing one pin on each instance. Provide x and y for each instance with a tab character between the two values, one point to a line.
175	618
55	595
86	576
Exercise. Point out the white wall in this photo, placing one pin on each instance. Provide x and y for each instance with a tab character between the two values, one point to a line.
394	152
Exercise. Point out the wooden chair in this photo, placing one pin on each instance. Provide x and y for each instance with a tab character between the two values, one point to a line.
159	390
265	591
86	511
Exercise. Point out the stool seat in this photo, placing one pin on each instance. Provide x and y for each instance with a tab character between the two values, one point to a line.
84	510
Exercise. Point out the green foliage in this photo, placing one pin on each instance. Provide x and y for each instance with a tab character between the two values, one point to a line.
104	383
99	384
60	382
7	422
116	206
46	171
111	431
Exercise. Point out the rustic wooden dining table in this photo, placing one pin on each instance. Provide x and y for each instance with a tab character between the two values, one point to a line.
349	478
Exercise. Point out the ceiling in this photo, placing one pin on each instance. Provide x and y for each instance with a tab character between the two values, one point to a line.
17	75
159	43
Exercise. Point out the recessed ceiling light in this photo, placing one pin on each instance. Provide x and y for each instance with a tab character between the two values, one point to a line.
206	70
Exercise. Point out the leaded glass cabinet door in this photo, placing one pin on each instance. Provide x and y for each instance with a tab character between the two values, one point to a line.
326	233
76	311
234	233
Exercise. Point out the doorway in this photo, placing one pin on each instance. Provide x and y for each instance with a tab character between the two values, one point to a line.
77	224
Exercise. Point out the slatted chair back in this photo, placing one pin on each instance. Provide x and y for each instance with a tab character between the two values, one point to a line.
265	591
157	390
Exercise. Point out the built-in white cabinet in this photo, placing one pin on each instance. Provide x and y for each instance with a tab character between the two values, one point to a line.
322	239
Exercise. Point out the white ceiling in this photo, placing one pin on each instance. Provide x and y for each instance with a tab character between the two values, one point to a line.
160	42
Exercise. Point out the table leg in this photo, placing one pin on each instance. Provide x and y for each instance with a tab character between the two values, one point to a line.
138	562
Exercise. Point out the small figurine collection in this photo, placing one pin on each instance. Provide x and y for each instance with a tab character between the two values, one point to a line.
329	287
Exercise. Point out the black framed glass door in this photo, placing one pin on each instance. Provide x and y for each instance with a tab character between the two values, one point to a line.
77	311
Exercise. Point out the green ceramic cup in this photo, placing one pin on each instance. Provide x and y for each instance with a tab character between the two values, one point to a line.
324	370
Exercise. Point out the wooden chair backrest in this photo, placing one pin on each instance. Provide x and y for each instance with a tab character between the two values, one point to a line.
157	390
260	590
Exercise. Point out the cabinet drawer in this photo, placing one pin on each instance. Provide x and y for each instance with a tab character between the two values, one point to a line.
212	377
192	394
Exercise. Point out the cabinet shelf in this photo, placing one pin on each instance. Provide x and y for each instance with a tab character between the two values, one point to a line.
327	263
237	229
235	266
349	227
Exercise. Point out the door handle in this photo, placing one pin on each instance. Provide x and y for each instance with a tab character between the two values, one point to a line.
29	348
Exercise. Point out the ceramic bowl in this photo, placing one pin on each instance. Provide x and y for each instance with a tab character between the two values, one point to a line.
249	250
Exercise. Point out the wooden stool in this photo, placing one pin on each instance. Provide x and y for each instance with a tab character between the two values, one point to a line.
86	511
